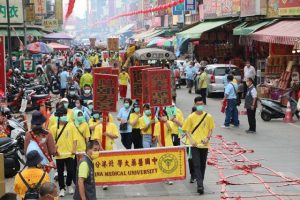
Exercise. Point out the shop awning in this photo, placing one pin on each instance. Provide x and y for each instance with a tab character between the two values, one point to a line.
125	29
148	34
245	29
196	31
283	32
20	32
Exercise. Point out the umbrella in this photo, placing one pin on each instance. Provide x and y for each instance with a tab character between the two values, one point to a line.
39	47
57	46
58	36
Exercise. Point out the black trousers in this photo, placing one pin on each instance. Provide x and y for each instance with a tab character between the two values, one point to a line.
71	171
191	166
199	157
175	139
126	140
203	94
136	138
62	93
251	119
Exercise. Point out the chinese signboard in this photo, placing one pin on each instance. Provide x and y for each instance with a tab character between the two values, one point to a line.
28	66
113	44
221	8
253	7
59	11
136	82
140	166
50	24
105	92
189	5
272	10
289	7
2	67
15	11
177	10
160	89
40	7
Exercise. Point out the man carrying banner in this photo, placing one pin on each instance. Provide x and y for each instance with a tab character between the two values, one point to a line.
199	127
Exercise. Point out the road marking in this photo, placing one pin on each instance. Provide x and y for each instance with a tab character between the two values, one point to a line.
295	125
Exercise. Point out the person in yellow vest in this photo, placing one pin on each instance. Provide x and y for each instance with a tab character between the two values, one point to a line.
134	117
70	114
176	116
86	78
203	83
93	122
123	81
145	123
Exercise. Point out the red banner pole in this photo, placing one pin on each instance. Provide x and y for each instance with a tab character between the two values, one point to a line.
162	127
104	123
152	118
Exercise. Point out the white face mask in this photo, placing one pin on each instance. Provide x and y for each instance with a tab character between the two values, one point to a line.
43	140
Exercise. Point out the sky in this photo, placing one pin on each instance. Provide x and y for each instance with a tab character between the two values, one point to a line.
79	8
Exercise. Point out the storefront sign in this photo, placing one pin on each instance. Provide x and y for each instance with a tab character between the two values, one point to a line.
189	5
30	17
280	49
59	11
28	66
160	89
178	10
289	7
50	24
113	44
40	7
105	92
140	166
272	10
15	11
2	67
221	8
136	82
253	7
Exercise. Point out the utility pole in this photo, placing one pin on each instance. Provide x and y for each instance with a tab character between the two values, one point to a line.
25	27
9	63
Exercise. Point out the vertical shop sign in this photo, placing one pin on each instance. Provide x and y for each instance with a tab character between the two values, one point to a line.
59	11
40	7
177	10
2	67
272	8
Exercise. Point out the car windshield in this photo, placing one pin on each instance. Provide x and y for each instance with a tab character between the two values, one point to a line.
220	71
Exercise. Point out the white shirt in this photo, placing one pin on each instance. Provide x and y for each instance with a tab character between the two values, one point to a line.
249	72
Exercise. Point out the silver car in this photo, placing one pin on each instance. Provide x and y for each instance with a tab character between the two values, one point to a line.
216	74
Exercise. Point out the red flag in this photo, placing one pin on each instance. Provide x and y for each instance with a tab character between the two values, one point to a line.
70	8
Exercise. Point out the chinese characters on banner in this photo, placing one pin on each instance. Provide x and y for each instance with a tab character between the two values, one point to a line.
145	86
40	7
50	24
221	8
288	7
105	92
136	86
113	44
2	68
102	70
15	11
160	90
140	166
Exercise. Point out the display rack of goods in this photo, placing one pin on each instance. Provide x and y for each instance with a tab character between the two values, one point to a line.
263	91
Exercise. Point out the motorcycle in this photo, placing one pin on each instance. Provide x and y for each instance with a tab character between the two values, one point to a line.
13	150
272	109
54	85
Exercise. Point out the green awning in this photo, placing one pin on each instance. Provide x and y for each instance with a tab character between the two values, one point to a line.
244	28
196	31
157	33
20	32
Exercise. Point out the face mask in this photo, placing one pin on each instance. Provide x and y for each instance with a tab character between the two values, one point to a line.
248	84
137	110
163	118
87	91
43	140
63	118
81	119
66	105
148	112
90	107
126	105
96	116
101	119
95	155
200	108
72	93
77	105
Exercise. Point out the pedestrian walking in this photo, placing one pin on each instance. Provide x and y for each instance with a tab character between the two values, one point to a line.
203	84
199	126
63	82
123	82
86	78
146	123
134	117
86	188
190	72
230	95
250	105
125	127
249	72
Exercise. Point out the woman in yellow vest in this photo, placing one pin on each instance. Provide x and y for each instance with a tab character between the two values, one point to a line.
134	122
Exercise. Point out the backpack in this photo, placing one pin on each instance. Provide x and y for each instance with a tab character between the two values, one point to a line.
32	193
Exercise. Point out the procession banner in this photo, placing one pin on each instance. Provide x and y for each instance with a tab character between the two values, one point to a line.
15	11
136	86
105	92
145	85
113	44
115	71
288	8
28	66
102	70
160	89
2	67
140	166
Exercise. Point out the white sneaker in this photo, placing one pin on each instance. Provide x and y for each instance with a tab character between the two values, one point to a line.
70	190
223	126
104	187
65	173
170	182
62	192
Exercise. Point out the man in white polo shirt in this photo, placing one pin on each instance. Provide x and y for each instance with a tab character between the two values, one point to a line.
249	72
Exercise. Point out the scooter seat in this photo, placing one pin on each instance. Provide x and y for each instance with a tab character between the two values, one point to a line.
4	141
36	87
39	96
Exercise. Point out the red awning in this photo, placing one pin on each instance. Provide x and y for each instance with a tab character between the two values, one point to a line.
57	46
283	32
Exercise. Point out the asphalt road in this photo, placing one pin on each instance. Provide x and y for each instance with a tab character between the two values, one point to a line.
276	145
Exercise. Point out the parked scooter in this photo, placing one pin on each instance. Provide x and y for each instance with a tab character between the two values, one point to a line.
13	149
272	109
